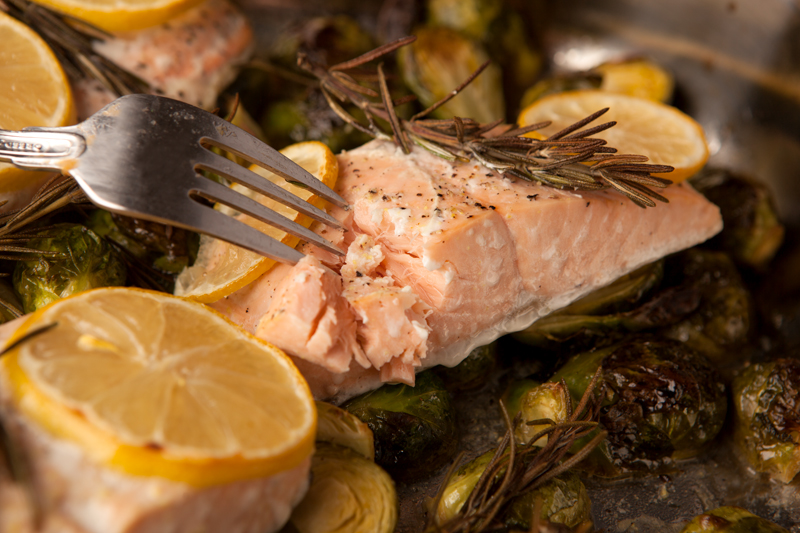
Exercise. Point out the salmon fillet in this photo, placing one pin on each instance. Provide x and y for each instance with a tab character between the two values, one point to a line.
474	255
191	58
80	495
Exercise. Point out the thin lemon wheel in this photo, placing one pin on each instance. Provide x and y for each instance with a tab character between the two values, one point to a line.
222	268
155	385
34	91
660	132
122	15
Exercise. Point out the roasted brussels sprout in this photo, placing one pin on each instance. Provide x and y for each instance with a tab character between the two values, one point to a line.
348	494
470	17
721	324
564	498
472	372
80	261
766	399
309	118
615	308
10	305
439	61
731	520
166	248
752	233
536	401
339	427
414	427
662	400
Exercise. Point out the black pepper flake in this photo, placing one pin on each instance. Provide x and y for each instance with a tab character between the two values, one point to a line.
247	310
478	204
440	195
359	274
587	204
419	194
403	208
532	196
453	175
371	168
492	207
489	175
470	216
385	198
356	170
373	191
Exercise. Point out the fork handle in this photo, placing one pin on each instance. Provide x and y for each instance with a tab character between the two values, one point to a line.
40	148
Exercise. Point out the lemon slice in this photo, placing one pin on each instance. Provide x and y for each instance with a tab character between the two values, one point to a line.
222	268
155	385
641	78
122	15
34	91
660	132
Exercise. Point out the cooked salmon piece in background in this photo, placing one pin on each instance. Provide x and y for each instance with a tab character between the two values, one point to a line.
191	57
445	257
79	495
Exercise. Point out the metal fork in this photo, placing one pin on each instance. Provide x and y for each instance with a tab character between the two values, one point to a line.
141	156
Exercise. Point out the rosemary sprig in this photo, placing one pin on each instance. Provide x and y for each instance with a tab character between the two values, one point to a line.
570	159
516	470
71	41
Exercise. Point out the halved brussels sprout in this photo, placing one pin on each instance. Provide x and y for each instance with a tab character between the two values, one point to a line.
439	61
752	232
472	372
84	261
662	401
348	494
766	398
337	426
731	520
564	499
414	427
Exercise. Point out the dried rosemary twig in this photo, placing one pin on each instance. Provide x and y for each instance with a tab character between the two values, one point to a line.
570	159
71	41
516	470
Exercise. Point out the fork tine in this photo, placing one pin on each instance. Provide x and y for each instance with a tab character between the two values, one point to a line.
235	140
216	192
225	167
208	220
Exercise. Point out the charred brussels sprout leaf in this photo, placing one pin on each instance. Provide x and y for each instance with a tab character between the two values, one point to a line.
766	398
752	232
438	61
348	494
82	261
339	427
662	399
414	427
472	372
564	498
731	520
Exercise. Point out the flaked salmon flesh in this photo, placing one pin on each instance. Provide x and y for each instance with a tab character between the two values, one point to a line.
446	257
